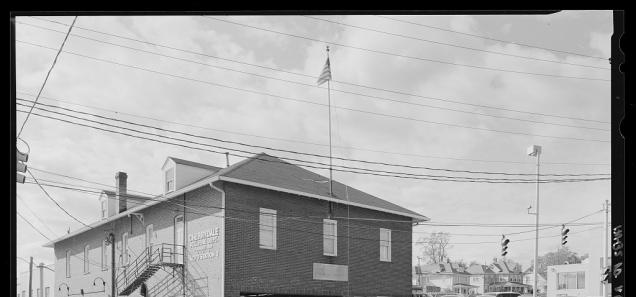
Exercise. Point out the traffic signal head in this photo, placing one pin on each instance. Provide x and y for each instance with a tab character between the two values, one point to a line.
564	235
504	245
605	277
22	157
20	166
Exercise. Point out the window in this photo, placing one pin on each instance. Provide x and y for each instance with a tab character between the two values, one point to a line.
47	292
149	233
170	180
86	259
267	229
68	263
571	280
385	245
580	280
104	255
330	237
104	209
124	249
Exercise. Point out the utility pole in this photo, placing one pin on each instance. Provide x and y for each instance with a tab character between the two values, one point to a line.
606	245
113	279
535	151
30	276
41	266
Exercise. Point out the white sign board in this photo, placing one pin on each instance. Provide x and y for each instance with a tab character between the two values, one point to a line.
331	272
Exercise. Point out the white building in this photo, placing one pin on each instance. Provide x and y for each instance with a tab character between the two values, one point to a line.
576	280
48	281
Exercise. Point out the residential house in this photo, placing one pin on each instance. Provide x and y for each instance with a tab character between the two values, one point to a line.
507	278
542	284
259	227
450	277
482	277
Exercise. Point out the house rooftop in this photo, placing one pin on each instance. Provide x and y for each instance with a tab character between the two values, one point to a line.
269	172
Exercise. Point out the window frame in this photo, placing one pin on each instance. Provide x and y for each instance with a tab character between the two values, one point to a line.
334	237
104	255
148	238
87	268
274	218
124	249
47	291
104	206
385	244
68	263
169	180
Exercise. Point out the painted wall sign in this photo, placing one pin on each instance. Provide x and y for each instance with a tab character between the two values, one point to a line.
202	245
331	272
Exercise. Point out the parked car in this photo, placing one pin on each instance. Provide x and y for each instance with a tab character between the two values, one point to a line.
500	294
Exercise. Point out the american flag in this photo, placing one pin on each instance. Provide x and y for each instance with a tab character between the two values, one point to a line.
325	75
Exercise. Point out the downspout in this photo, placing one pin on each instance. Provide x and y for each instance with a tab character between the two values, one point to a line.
220	190
113	280
185	234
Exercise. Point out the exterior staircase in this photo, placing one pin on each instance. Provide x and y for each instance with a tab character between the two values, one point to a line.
172	284
146	264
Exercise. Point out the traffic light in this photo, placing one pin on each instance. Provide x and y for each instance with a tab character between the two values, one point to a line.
605	277
21	158
504	245
564	235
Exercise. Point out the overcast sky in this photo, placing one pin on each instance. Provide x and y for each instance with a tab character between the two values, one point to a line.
103	88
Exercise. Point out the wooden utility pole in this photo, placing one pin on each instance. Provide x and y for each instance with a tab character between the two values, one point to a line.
30	276
41	266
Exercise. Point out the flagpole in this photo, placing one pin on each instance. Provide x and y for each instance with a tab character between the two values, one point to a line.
329	101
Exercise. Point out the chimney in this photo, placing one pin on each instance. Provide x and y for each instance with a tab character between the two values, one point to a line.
120	190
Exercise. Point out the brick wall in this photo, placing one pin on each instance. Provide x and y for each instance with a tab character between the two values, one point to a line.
289	268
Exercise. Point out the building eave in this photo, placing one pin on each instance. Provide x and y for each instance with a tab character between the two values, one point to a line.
416	218
156	200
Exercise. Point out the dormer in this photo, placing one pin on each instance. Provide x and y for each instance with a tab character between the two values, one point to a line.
178	173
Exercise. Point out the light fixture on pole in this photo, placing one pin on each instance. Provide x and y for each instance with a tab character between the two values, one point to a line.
535	151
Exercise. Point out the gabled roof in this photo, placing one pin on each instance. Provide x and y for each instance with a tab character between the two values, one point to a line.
479	269
531	271
194	164
268	172
443	268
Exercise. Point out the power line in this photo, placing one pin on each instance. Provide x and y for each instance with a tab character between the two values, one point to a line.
490	38
303	74
200	212
47	76
36	216
370	171
301	153
320	104
452	45
314	86
405	56
73	187
34	228
51	198
366	172
297	141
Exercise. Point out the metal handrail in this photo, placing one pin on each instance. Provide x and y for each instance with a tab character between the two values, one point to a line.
154	254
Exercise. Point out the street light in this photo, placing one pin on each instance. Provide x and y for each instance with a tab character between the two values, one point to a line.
535	151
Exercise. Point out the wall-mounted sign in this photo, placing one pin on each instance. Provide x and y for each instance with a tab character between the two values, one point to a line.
202	245
331	272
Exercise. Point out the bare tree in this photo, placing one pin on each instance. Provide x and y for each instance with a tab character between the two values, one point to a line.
435	247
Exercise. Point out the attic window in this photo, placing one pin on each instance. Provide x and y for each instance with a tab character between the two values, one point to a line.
170	180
